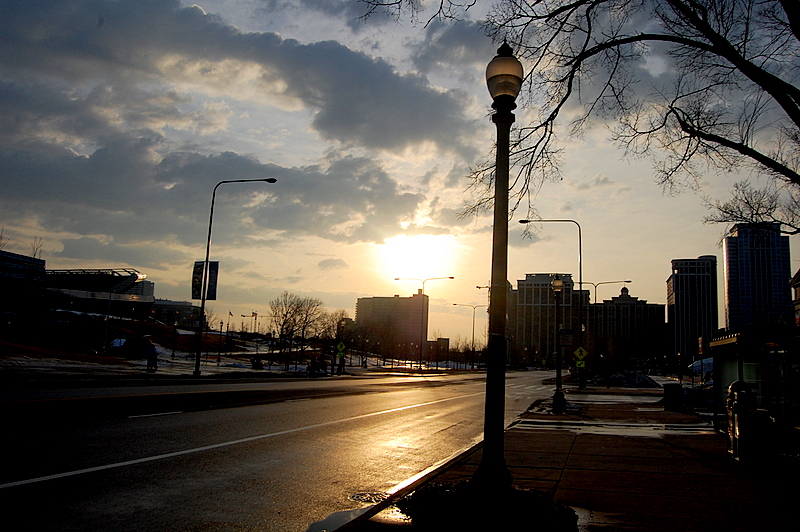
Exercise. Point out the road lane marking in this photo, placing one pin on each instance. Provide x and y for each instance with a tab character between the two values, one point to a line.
226	444
157	414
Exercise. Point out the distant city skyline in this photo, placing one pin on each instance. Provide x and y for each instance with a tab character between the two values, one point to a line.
118	125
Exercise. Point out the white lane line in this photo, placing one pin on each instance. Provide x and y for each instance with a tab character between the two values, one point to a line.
225	444
156	415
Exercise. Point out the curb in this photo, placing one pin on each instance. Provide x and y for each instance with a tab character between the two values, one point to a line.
408	486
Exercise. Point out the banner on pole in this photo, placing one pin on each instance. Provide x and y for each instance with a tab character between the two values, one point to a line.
213	274
197	280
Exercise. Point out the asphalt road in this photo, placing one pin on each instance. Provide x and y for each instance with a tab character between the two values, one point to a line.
279	466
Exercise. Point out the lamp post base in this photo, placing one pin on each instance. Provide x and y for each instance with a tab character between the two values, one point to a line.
559	402
492	477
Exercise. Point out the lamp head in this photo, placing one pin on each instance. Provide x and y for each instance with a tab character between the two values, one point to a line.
557	285
504	77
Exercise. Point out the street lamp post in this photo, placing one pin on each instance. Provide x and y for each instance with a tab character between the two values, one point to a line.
594	314
219	350
559	403
204	284
504	80
582	380
422	312
473	328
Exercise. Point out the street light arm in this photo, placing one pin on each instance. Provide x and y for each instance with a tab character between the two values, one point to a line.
580	243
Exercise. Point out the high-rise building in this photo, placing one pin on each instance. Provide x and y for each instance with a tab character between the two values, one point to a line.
625	331
400	324
692	309
757	275
534	320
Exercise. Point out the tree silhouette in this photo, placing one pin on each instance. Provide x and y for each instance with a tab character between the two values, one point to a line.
724	98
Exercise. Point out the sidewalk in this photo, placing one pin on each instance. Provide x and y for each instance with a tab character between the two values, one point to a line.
623	463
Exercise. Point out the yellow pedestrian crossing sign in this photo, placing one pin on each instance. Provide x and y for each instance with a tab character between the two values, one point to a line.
340	347
580	353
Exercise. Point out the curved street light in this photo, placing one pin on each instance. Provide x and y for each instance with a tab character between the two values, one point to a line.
204	283
581	314
605	282
504	77
473	327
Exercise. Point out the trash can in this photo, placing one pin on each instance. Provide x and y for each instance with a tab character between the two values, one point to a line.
673	397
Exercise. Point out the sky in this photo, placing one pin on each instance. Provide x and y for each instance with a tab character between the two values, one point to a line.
117	119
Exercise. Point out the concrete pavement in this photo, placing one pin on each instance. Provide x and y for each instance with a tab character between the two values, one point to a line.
623	463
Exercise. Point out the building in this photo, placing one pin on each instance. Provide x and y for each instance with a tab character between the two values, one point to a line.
692	309
757	276
21	281
111	291
625	332
399	325
761	343
176	313
533	320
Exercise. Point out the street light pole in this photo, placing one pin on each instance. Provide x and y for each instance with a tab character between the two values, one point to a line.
595	307
504	80
580	287
204	283
422	306
473	325
559	402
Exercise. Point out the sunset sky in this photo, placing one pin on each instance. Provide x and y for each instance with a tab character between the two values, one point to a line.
118	118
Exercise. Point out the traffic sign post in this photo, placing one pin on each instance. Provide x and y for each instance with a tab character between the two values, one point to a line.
580	365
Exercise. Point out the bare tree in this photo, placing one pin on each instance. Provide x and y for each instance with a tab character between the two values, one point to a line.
284	320
310	315
211	317
329	323
36	247
758	206
727	98
295	318
446	9
3	238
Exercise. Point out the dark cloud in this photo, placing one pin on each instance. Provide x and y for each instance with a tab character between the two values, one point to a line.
124	69
144	256
598	181
134	196
350	200
89	114
448	45
333	264
349	11
364	101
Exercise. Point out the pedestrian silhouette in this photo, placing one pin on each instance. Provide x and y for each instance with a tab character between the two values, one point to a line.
152	355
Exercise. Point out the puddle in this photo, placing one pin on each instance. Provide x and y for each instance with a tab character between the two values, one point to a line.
338	519
369	497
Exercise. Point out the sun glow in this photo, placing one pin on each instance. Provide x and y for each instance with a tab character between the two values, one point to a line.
419	256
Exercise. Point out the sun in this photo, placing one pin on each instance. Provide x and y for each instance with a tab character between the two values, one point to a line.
419	256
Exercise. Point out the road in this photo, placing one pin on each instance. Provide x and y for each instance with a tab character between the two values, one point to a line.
279	466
